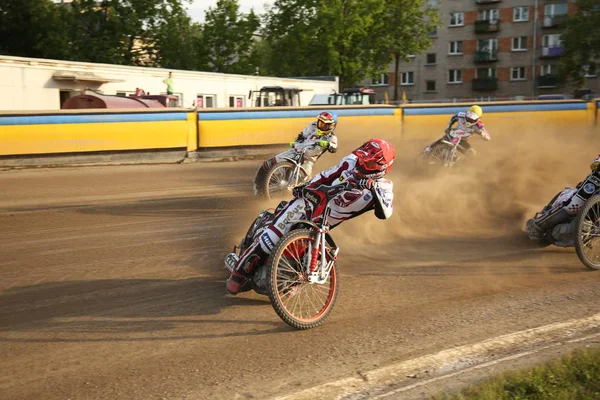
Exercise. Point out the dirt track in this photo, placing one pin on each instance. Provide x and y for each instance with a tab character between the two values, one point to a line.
113	286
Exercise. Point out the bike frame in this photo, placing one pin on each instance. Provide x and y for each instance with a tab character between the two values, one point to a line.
318	273
298	163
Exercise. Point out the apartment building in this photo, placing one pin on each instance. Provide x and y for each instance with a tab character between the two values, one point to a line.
487	50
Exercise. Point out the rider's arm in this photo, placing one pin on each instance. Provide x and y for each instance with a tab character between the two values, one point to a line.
328	176
333	143
485	135
452	121
383	197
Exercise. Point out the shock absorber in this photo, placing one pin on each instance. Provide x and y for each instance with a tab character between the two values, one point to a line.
314	257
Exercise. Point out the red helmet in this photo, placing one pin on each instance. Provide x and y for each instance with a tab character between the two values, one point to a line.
326	123
375	158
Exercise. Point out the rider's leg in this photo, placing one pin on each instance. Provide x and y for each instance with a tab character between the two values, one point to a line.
561	212
260	249
308	167
466	148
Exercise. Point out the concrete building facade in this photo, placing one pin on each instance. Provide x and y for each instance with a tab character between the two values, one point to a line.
488	50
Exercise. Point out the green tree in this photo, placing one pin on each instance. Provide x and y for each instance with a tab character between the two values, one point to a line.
179	45
228	37
123	32
405	28
291	36
582	44
352	39
327	37
35	28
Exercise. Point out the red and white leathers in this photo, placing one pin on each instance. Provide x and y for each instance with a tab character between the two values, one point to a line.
314	144
343	206
459	127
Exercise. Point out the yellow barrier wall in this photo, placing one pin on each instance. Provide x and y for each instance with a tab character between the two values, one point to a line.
429	121
93	130
250	127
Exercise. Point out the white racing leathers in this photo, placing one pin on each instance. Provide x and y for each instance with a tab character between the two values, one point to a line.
343	206
457	127
307	139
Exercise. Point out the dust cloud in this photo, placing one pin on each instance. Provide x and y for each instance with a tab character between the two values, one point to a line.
489	196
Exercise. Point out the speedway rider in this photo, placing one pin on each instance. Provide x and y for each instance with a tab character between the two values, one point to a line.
364	169
316	138
463	125
566	205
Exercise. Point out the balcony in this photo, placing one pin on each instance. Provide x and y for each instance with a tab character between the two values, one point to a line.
552	51
487	1
486	56
554	21
485	84
546	81
487	26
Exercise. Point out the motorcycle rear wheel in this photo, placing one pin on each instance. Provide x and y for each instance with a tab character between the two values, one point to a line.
298	303
587	233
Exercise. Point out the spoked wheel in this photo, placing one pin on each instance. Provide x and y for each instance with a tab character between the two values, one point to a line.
279	179
442	155
587	240
299	303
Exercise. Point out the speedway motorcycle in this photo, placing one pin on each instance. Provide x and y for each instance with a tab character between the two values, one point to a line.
301	275
582	230
447	151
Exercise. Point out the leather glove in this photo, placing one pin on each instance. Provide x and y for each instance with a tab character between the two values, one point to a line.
292	144
365	183
297	192
323	143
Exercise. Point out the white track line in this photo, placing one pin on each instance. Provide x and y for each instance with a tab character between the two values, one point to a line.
454	361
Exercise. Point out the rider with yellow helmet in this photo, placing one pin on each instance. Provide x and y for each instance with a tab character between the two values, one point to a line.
466	123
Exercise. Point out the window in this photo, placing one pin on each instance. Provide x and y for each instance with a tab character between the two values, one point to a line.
487	45
519	43
407	78
236	101
381	80
551	10
521	14
455	76
433	32
433	3
589	71
431	58
551	41
64	95
430	86
455	47
205	101
457	19
547	69
488	15
485	73
517	74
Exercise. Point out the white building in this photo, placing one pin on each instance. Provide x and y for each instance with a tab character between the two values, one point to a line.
41	84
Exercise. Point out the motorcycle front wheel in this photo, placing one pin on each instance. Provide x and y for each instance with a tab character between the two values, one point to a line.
278	180
299	303
587	239
441	155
